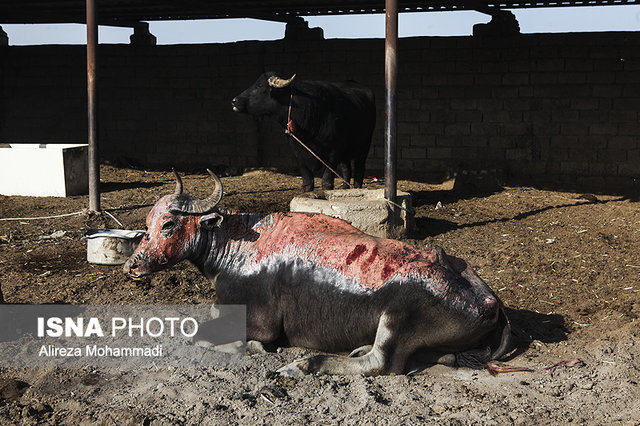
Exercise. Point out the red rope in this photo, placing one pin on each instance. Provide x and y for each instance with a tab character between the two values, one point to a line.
289	131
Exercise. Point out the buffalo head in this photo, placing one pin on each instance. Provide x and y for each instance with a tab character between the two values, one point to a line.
265	96
173	229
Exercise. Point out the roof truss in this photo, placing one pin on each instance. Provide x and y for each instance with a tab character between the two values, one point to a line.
127	12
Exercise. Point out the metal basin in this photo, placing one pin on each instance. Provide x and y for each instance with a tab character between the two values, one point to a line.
111	246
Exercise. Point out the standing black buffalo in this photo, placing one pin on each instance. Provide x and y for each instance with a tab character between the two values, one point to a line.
335	120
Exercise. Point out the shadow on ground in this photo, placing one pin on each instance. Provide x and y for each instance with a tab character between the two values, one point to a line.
529	326
428	227
119	186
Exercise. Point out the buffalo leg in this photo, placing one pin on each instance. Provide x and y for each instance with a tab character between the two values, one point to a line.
423	359
358	171
344	169
374	362
307	179
327	175
213	334
327	179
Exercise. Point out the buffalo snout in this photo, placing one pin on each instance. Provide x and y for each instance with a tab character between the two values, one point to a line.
132	266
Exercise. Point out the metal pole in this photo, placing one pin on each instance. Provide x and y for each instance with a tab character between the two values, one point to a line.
390	76
94	161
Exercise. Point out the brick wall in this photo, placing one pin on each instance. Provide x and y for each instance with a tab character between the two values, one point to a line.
558	109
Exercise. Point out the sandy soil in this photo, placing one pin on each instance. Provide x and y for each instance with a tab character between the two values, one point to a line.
566	266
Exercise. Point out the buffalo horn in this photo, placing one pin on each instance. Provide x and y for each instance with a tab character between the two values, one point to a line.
178	190
198	206
279	83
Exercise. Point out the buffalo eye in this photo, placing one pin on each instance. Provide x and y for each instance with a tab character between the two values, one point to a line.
168	226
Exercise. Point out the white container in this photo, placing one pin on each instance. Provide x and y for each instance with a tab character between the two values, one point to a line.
44	170
111	246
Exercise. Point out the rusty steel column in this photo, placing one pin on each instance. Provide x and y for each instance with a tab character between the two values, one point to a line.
94	160
390	79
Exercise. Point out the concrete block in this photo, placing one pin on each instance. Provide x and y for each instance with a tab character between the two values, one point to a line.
44	170
366	209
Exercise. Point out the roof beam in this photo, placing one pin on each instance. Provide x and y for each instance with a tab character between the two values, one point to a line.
119	12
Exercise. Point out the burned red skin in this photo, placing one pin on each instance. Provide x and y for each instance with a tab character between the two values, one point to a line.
162	248
337	245
368	262
318	240
299	274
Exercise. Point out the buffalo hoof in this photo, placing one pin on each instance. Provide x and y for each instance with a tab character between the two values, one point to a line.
296	369
361	351
236	348
255	347
307	188
326	185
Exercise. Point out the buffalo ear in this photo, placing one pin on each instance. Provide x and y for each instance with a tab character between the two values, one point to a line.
212	220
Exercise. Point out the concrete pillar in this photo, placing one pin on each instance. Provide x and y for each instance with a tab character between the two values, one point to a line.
4	38
141	35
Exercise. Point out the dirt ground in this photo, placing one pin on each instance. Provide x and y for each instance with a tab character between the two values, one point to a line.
566	266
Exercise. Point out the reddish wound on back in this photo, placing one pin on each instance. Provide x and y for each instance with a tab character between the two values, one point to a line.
372	258
386	272
356	253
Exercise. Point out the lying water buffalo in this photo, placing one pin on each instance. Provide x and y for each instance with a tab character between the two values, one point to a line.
335	120
316	281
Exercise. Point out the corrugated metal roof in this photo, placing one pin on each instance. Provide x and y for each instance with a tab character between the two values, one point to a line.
127	12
